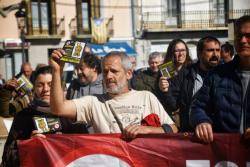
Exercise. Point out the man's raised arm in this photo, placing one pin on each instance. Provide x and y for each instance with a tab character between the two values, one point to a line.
59	105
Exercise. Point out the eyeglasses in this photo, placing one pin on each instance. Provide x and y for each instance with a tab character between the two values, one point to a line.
246	35
180	50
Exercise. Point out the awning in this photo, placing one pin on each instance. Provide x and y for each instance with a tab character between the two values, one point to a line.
102	50
12	43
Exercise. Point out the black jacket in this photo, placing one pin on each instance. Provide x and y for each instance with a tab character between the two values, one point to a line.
21	129
179	95
77	90
146	80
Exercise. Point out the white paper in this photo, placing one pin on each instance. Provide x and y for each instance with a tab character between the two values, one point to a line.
8	123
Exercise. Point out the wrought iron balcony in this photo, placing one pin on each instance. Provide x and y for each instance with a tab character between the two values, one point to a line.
234	14
188	20
47	32
60	26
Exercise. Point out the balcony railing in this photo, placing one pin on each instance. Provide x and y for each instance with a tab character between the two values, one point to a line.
60	26
189	20
234	14
73	27
74	30
44	31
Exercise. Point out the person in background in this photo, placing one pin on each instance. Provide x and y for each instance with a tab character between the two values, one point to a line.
89	79
23	124
10	101
178	53
6	96
179	90
120	110
2	81
148	79
227	52
133	62
26	70
222	104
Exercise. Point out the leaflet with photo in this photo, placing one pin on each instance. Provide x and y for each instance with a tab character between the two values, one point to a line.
47	124
73	51
24	86
167	69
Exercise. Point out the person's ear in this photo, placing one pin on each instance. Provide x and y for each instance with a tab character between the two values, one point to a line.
129	74
94	69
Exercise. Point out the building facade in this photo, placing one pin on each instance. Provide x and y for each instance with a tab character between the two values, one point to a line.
158	22
50	23
146	25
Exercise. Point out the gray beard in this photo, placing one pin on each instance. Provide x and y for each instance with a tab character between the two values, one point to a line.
116	90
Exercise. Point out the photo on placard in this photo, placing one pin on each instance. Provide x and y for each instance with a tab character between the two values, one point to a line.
73	50
41	124
24	86
78	49
167	69
20	83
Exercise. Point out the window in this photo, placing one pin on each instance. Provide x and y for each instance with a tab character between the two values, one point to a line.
159	13
86	16
13	60
86	9
170	9
40	17
217	14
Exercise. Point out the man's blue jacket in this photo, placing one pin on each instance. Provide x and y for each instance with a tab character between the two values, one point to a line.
220	100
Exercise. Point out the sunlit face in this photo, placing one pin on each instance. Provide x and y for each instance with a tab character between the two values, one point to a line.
154	63
133	61
85	73
27	71
180	53
242	41
210	55
42	87
115	76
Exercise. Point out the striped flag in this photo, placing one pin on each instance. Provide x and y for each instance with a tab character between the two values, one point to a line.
101	29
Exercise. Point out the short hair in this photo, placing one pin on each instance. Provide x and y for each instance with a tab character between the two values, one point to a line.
202	41
227	47
92	61
42	70
170	51
154	55
240	21
125	61
25	64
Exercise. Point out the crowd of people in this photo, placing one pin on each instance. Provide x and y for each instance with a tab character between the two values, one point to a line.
110	96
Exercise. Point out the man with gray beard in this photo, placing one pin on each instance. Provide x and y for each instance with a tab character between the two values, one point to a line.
120	110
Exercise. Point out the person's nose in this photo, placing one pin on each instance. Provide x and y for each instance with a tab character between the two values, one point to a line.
46	88
109	75
155	65
243	39
214	52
